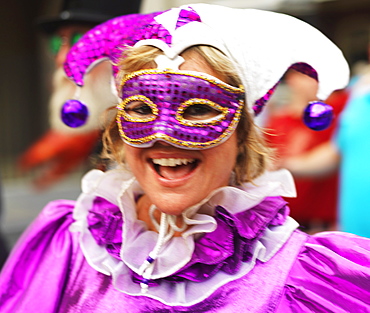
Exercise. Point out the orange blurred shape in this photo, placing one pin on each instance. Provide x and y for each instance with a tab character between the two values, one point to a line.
57	154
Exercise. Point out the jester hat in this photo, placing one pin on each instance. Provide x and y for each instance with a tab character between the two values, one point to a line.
262	45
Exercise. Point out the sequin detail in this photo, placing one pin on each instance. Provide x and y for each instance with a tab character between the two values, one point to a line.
260	103
187	16
108	40
171	93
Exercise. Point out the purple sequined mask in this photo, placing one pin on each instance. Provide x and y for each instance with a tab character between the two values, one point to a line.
187	109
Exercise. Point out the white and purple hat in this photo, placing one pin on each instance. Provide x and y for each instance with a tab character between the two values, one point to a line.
262	46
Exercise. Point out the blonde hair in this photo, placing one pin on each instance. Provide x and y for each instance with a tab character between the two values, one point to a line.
253	153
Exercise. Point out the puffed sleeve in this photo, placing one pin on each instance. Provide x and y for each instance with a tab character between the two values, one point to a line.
36	272
331	274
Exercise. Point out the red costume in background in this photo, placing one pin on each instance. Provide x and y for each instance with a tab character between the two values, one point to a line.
316	201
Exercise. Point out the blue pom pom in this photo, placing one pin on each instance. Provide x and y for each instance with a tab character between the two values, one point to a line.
74	113
318	115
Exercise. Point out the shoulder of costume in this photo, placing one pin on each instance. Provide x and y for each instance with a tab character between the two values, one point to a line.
330	274
43	254
51	225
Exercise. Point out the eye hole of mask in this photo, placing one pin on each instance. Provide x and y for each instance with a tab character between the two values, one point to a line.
200	112
139	110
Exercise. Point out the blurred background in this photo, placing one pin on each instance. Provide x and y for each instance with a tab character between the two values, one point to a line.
25	86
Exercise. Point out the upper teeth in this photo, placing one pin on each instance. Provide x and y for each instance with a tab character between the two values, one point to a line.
172	161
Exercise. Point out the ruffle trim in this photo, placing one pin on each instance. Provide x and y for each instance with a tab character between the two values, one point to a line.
221	250
212	252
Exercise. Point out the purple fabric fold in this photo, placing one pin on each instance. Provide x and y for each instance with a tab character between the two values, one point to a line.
38	264
105	224
331	274
47	272
221	250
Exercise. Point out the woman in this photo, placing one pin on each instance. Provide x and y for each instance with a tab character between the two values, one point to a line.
189	219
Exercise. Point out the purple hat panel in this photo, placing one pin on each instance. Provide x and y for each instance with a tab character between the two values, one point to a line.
187	16
170	95
301	67
108	40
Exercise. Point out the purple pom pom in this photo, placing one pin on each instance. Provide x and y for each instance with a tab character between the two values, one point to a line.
318	115
74	113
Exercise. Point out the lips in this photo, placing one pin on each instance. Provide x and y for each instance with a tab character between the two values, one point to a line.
174	168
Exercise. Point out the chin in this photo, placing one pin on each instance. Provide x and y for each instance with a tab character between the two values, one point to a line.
174	204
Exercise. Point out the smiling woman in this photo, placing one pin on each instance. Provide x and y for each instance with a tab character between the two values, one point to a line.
199	122
171	184
188	218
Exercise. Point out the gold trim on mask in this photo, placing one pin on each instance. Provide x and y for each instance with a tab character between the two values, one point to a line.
201	123
121	109
192	145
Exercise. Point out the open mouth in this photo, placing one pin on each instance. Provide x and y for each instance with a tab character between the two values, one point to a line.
174	168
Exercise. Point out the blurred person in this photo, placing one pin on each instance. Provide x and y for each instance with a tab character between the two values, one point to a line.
61	149
315	206
348	151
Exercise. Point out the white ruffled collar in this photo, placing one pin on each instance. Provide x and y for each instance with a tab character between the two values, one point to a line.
121	188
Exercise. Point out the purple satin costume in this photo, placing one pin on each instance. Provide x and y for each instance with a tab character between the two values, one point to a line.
47	271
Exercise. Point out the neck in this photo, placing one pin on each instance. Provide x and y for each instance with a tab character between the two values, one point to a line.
142	209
